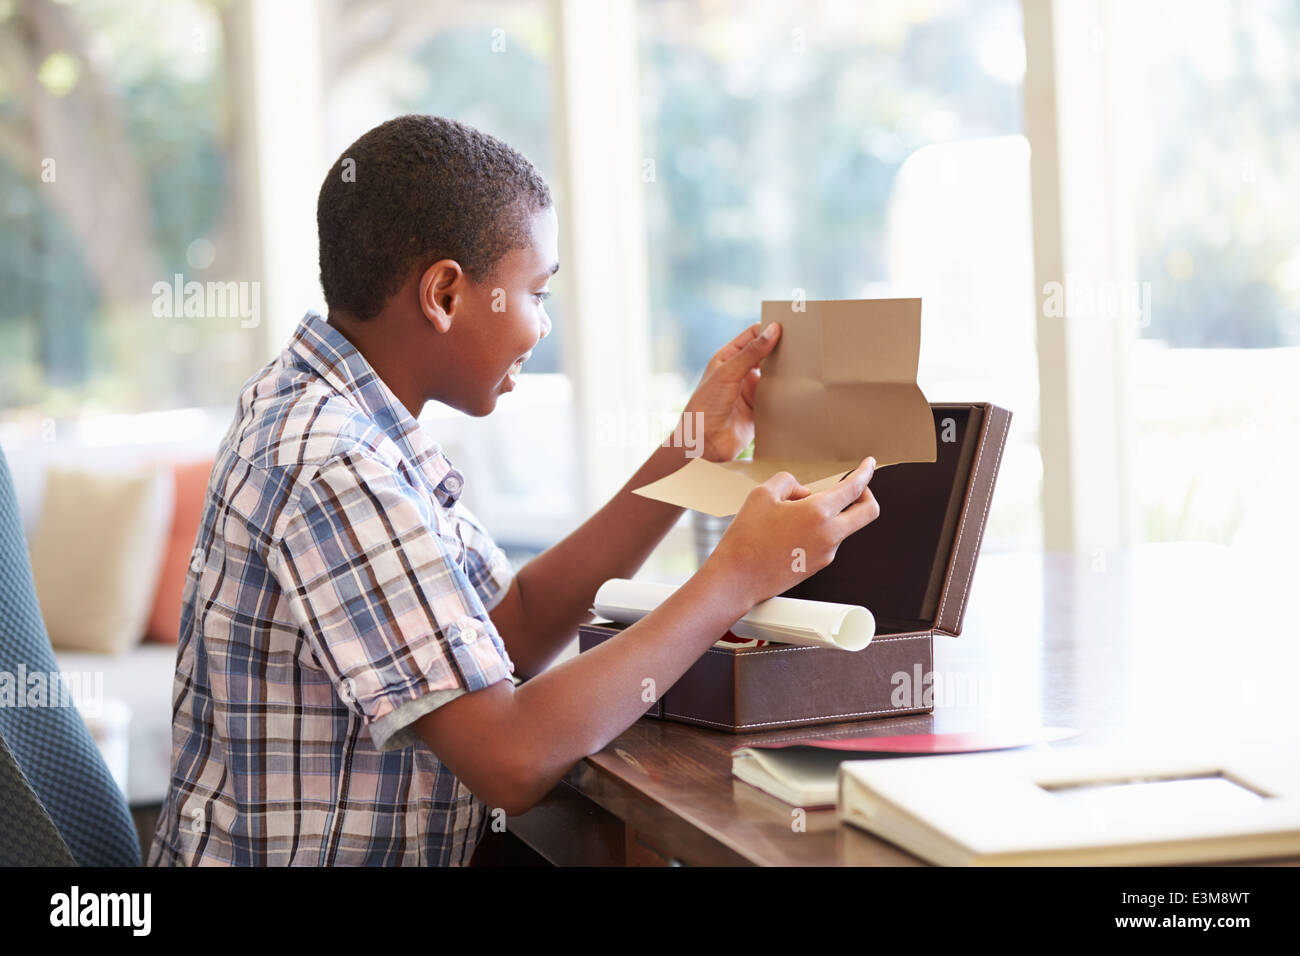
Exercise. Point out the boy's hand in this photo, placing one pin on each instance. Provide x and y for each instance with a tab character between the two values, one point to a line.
783	533
723	402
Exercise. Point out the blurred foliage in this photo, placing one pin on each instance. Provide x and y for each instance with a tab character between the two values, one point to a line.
50	309
134	103
776	149
178	132
774	166
1185	516
501	84
1217	197
774	132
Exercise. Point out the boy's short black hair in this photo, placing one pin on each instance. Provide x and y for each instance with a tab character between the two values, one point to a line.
414	190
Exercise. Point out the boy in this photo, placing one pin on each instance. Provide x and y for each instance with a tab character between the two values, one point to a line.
343	691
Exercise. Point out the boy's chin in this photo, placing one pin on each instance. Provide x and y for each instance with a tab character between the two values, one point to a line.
475	406
485	406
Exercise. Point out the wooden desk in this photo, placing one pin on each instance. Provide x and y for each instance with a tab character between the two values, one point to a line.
1166	642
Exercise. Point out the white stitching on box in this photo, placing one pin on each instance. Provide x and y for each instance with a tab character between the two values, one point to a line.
961	527
997	463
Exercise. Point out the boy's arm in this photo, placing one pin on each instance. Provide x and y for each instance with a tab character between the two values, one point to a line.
511	746
552	594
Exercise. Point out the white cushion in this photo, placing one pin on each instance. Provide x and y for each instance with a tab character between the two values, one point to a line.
96	554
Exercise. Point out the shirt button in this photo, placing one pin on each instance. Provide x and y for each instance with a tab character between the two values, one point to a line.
468	631
452	483
196	561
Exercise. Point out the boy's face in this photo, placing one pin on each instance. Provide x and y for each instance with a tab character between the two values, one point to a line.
505	317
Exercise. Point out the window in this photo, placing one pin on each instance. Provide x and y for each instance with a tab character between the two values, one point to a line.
1215	370
118	187
159	160
820	150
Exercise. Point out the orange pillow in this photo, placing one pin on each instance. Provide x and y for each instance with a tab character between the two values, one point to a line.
191	484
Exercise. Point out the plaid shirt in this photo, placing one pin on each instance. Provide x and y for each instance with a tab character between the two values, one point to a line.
339	590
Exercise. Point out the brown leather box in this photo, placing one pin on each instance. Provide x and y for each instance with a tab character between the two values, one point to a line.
912	568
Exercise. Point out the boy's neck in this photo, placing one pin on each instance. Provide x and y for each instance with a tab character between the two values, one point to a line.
389	364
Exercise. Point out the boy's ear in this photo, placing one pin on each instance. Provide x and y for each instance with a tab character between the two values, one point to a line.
441	289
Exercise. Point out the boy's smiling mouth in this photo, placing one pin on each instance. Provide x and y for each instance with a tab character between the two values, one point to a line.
513	373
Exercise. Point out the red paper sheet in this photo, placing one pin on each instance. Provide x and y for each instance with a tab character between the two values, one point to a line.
917	744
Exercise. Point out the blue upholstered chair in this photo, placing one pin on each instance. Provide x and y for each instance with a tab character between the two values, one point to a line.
47	755
28	837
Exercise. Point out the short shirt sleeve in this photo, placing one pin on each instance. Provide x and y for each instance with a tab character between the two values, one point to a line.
388	588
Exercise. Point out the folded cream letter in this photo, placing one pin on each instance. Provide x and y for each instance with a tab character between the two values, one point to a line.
839	386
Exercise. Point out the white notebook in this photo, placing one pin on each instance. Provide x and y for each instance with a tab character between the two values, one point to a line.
1209	802
804	772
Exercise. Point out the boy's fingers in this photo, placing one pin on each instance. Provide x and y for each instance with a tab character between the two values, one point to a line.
857	515
742	339
785	486
845	492
735	345
755	349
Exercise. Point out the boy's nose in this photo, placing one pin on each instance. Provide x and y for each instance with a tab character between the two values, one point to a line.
546	325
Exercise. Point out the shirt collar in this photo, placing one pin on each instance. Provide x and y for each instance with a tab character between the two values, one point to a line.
325	351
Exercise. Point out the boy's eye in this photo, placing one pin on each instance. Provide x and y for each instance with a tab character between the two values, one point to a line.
541	296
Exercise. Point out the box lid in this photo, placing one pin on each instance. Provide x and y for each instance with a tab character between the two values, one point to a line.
912	567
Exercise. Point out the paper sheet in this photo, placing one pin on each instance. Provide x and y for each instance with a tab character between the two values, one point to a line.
839	386
780	620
